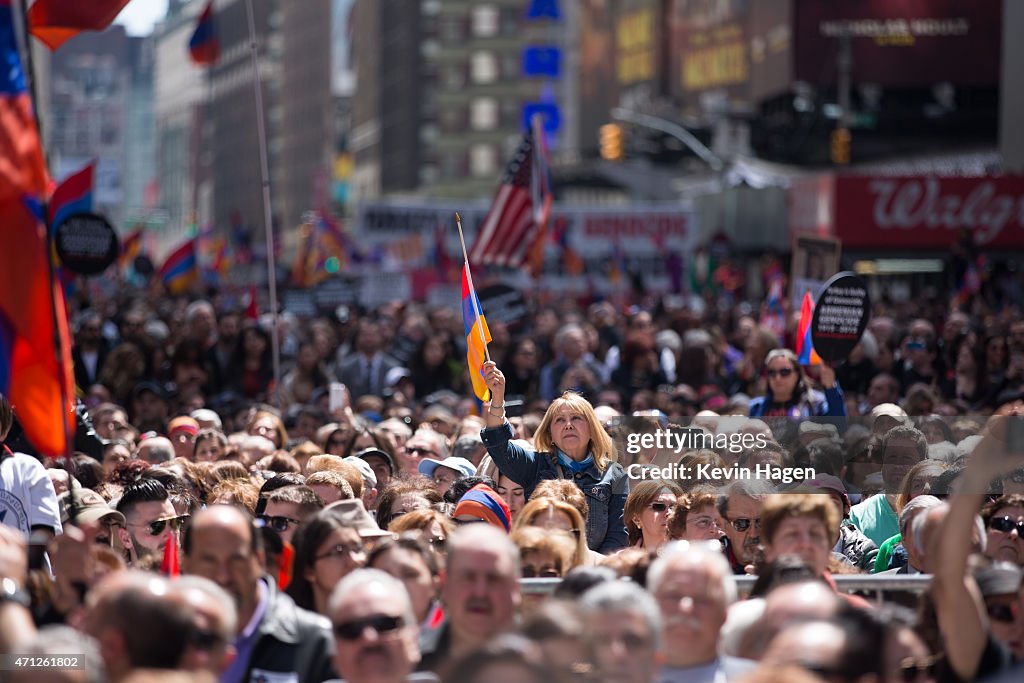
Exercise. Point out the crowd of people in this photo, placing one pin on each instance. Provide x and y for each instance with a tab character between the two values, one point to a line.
366	518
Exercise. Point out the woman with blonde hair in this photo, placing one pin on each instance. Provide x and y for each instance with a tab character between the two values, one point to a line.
268	425
570	443
556	515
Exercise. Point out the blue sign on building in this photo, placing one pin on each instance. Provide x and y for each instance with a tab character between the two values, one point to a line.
551	117
543	9
542	61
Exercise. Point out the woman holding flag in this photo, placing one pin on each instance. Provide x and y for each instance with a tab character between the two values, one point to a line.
570	443
788	394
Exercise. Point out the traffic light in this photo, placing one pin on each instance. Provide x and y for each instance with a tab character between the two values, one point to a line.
840	146
611	142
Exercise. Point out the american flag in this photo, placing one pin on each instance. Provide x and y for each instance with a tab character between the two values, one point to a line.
518	216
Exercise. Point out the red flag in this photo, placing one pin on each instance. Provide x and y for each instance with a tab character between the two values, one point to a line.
55	22
169	566
516	219
252	309
33	375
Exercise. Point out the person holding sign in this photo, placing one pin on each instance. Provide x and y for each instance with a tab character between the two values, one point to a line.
788	394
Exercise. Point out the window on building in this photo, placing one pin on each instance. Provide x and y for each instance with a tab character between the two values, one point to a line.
454	76
483	160
483	113
453	29
483	67
486	19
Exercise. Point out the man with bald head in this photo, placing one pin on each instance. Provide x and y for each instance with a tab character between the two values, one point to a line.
116	608
275	640
808	600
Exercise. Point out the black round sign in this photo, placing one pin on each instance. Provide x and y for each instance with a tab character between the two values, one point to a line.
86	243
840	316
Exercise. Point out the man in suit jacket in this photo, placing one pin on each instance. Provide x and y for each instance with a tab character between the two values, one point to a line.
364	370
90	351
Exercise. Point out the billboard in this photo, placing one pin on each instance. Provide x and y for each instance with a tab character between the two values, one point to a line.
905	44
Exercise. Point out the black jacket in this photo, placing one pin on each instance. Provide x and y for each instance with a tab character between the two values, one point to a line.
291	640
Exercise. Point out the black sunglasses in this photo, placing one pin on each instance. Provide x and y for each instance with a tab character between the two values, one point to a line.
204	639
1006	525
784	372
381	624
662	507
1001	613
743	523
529	572
911	670
417	449
157	526
279	523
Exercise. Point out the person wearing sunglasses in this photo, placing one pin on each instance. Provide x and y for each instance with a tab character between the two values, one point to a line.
375	630
289	507
1004	520
214	620
739	506
274	639
648	507
149	518
789	396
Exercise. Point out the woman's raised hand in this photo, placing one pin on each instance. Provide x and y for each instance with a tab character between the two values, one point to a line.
495	381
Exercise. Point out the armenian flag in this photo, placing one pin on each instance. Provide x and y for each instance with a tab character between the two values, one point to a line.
804	348
180	271
204	45
34	378
74	195
55	22
477	335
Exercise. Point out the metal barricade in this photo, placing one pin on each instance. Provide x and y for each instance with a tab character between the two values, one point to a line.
876	584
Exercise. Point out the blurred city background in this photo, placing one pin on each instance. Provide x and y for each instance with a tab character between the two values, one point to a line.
691	142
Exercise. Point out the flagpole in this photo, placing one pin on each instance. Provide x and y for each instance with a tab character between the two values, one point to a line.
265	181
472	289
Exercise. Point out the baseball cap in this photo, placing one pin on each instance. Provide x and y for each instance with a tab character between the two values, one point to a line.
826	430
367	452
1001	578
151	387
91	508
826	483
461	465
364	469
888	410
353	514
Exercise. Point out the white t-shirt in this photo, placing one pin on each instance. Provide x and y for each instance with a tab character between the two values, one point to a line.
27	498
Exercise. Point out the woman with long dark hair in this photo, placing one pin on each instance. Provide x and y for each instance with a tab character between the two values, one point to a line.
326	550
788	394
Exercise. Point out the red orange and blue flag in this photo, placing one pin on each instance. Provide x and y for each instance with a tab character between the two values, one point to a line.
204	45
477	335
180	271
33	376
73	195
55	22
804	347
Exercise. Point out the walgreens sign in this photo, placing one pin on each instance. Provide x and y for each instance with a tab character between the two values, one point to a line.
927	212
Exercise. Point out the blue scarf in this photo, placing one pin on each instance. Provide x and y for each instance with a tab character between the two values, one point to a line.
573	466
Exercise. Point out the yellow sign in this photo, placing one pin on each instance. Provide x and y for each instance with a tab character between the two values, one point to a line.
634	37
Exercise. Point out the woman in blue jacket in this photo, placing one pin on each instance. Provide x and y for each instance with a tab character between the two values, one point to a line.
789	396
570	443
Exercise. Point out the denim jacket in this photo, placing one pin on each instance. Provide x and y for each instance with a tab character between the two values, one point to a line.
605	491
